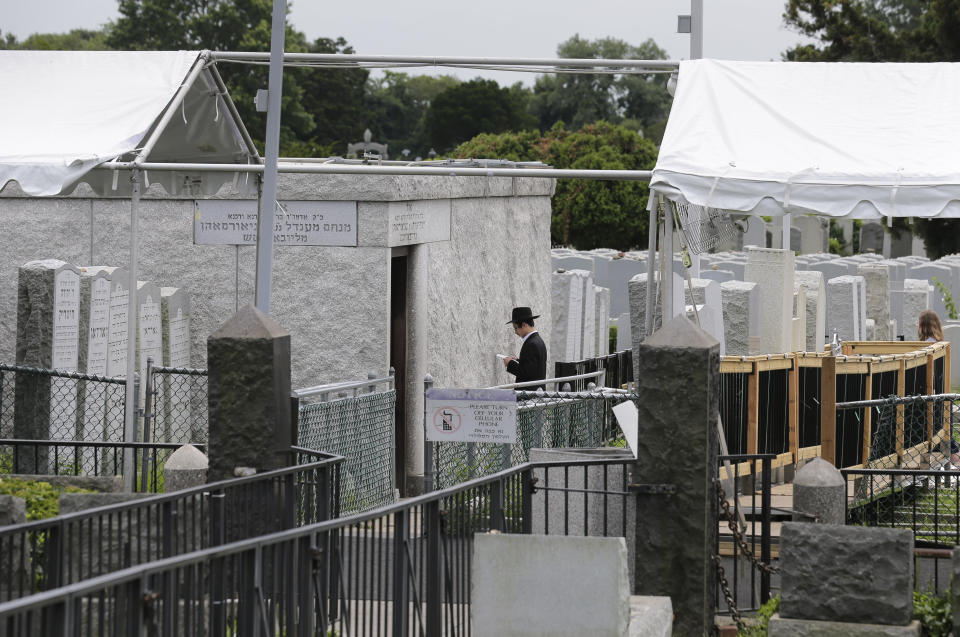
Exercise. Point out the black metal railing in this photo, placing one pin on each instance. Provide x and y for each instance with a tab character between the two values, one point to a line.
95	459
745	537
47	554
400	569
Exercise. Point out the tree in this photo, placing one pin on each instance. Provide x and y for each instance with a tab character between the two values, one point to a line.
398	104
883	31
579	99
586	214
75	40
310	97
478	106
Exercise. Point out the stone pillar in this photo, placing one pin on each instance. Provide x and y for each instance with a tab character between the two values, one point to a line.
819	491
741	307
48	329
772	271
248	360
186	467
678	387
418	261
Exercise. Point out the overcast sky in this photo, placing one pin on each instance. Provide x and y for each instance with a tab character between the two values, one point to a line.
733	29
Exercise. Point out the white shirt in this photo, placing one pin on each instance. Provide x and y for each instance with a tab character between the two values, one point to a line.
526	337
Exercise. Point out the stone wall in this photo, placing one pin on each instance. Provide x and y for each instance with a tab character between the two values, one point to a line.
334	301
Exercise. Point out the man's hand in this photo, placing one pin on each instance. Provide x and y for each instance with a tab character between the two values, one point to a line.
507	359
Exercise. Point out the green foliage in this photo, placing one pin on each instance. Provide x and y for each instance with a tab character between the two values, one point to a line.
947	297
934	613
612	340
41	498
759	627
479	106
322	109
397	105
580	99
586	214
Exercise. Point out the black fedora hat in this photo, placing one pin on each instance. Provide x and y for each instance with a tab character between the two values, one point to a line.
521	314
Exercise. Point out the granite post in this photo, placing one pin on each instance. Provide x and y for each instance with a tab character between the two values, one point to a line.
678	387
818	494
186	467
248	362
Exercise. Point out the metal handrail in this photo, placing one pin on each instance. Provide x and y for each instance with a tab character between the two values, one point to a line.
323	390
897	400
600	373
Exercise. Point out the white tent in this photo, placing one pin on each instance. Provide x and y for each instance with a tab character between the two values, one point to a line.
65	113
840	139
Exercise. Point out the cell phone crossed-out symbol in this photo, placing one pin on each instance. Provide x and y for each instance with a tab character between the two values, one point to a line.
447	420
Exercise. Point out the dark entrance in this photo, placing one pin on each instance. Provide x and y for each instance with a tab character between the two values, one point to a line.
398	361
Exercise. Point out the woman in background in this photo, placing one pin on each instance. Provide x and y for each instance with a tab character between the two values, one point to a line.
928	327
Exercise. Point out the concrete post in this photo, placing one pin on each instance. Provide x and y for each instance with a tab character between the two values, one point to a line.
186	467
248	359
678	387
818	494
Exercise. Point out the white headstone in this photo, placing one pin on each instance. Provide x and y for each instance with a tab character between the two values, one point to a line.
565	308
602	321
843	316
772	270
94	342
709	303
877	279
623	333
174	422
588	325
149	330
741	303
799	318
816	299
916	299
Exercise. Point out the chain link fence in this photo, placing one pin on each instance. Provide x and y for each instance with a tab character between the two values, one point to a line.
179	406
360	428
551	420
43	404
910	478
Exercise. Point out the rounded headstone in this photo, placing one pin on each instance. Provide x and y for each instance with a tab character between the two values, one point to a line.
818	494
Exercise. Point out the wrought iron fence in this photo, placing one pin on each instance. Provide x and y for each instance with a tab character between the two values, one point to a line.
744	542
47	554
354	420
400	569
56	405
544	420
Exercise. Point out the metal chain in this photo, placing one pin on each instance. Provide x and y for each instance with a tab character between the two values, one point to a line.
738	534
728	596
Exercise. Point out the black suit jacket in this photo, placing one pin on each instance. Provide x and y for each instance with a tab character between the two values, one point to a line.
532	362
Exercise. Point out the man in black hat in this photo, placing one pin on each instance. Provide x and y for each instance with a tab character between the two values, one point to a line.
532	363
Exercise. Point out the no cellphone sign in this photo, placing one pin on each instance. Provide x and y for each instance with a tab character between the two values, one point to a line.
471	415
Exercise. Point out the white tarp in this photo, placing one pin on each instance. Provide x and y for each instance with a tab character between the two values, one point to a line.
65	112
858	139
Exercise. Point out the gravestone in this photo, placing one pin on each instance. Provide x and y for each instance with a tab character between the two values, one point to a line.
709	302
588	325
174	408
620	271
678	389
799	318
877	281
932	272
814	233
117	351
94	345
772	270
871	237
813	282
736	266
637	288
756	232
624	338
248	361
566	307
149	330
741	317
898	272
843	315
602	321
819	491
916	299
830	269
951	333
717	275
185	468
48	331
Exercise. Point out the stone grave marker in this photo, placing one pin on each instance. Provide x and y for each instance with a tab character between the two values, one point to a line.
174	410
741	306
773	270
916	299
117	351
588	324
566	307
799	318
149	329
94	350
602	320
929	271
48	331
816	300
871	237
843	316
877	280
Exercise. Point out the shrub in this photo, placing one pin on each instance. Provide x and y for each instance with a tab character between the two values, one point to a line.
41	498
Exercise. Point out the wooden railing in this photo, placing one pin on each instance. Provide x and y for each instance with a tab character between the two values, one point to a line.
786	403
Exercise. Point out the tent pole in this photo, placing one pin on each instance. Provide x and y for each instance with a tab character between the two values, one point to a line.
666	254
268	203
651	265
129	416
